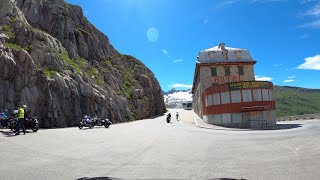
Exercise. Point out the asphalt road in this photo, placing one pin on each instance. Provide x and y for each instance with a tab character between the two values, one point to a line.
154	149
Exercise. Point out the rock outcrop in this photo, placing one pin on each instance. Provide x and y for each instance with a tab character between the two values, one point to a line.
58	64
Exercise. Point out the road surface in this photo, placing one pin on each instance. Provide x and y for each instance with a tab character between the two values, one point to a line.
154	149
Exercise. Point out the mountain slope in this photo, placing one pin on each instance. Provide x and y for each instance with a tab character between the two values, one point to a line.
296	101
62	67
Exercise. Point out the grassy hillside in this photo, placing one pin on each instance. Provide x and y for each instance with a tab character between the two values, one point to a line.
296	101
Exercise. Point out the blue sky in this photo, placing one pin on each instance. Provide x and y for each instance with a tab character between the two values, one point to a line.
282	35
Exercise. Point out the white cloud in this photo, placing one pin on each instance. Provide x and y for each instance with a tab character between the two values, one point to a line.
182	86
312	63
288	80
262	78
315	11
177	60
314	24
291	77
277	65
226	3
164	51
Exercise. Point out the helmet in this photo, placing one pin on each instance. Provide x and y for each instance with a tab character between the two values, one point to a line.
24	106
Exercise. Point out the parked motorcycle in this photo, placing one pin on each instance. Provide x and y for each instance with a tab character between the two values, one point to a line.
97	121
32	123
8	122
86	121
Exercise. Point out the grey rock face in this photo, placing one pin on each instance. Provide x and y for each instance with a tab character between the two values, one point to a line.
58	64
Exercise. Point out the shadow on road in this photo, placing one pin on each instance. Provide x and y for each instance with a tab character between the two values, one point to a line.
12	134
284	126
277	127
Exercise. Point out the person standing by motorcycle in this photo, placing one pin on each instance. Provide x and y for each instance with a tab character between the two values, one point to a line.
26	113
21	121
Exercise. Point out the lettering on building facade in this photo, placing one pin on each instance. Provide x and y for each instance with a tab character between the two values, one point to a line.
226	79
248	85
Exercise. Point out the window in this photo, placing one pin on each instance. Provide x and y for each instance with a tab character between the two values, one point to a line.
257	95
209	100
225	98
246	95
265	95
213	71
240	70
235	96
227	71
216	99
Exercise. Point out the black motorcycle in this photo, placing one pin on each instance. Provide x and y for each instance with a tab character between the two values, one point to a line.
86	121
168	119
32	123
97	121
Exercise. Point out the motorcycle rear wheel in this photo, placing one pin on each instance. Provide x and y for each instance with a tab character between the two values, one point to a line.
106	125
80	126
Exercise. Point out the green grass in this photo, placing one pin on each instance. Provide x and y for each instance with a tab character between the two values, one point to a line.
80	31
49	72
13	20
99	81
93	71
296	101
65	57
13	46
17	47
8	31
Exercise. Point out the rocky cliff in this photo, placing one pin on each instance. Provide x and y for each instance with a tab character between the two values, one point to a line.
58	64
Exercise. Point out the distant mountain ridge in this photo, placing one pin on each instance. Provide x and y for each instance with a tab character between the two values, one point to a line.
290	100
173	90
174	98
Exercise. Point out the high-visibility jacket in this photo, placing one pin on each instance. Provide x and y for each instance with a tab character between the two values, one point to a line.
21	113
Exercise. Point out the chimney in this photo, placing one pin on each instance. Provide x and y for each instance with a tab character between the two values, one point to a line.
222	47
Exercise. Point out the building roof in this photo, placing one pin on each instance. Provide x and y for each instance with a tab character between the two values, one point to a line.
218	48
222	53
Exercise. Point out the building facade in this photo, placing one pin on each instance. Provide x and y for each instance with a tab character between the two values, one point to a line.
225	91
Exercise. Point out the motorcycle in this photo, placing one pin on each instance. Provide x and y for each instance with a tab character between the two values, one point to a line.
97	121
6	122
168	119
32	123
86	121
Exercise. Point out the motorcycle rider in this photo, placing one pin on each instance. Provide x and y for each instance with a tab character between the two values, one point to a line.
177	116
169	116
21	121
